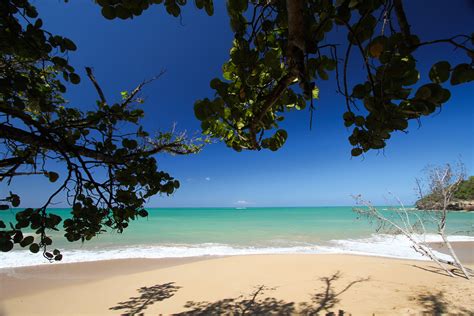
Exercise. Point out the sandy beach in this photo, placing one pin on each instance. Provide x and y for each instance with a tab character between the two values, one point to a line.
260	284
464	250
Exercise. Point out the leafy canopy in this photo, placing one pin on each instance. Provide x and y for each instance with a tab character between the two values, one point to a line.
108	156
282	48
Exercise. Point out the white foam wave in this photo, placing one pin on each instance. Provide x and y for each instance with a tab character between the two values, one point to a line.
393	246
377	245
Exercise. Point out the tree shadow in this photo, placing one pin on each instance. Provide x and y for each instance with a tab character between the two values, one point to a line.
436	304
329	297
433	304
148	296
242	305
253	304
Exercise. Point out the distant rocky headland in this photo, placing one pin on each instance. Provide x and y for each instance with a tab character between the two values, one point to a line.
463	199
457	205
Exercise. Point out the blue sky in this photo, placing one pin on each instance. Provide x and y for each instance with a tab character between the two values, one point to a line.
313	168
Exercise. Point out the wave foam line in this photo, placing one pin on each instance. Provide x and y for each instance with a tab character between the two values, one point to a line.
393	246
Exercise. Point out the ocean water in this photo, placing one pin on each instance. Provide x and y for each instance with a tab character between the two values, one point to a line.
185	232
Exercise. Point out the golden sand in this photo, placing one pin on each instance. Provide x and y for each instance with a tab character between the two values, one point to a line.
260	284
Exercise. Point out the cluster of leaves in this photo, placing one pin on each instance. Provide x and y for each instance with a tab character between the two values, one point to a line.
260	80
256	90
23	47
125	9
391	96
110	171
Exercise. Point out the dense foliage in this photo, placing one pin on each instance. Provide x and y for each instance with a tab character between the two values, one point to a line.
466	190
107	157
281	49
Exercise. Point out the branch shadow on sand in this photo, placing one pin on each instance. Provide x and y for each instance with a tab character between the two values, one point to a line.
147	297
329	297
436	304
253	304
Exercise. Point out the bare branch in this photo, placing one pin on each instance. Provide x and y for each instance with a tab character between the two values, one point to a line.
96	85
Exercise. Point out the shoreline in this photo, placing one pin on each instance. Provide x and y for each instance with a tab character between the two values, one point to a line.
382	246
178	285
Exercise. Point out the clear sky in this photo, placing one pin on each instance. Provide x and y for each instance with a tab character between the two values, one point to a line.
314	167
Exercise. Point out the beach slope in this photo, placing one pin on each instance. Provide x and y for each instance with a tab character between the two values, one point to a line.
252	284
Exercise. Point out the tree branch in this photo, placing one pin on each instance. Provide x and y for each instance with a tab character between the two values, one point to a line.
96	85
450	40
402	19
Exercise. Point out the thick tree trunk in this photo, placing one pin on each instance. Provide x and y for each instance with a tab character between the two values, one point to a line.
402	19
296	50
296	29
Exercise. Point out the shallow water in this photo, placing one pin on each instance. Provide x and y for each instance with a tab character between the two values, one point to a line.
184	232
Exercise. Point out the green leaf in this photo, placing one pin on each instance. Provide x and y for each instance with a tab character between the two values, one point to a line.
462	73
34	248
15	200
201	109
47	241
199	4
53	176
6	246
376	49
173	9
69	44
108	13
348	116
411	77
323	74
129	143
237	5
359	91
315	93
74	78
423	93
209	7
439	73
31	12
359	120
215	83
122	12
356	152
18	237
26	241
59	61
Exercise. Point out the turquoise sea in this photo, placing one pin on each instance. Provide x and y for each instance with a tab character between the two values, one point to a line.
181	232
